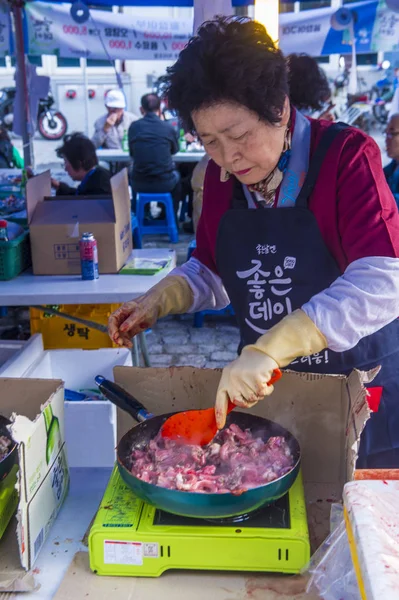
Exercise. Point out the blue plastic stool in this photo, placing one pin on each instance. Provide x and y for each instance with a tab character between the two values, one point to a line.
200	316
167	227
137	242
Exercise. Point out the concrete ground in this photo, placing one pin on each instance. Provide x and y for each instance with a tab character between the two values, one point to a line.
174	340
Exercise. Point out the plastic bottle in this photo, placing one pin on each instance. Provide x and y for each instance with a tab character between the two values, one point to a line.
125	142
3	231
182	141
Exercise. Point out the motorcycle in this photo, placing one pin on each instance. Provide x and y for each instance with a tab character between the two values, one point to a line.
51	123
381	95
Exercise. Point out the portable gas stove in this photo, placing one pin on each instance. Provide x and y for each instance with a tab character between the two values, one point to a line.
130	537
8	499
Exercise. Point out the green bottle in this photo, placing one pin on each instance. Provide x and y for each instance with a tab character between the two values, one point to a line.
182	141
53	434
125	142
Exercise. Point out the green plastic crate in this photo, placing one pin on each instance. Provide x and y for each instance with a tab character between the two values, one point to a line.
14	256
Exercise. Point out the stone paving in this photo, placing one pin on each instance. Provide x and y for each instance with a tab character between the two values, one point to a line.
174	341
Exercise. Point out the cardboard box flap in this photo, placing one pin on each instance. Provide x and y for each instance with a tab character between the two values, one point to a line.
120	194
55	211
36	189
26	399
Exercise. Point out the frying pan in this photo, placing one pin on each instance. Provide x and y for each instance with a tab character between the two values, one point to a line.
8	461
194	504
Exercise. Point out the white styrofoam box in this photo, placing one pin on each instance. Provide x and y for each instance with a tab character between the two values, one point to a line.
17	355
90	427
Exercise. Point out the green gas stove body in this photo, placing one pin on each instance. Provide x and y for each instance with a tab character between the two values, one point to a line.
132	538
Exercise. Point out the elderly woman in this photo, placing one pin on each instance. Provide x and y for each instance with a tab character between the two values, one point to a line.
298	230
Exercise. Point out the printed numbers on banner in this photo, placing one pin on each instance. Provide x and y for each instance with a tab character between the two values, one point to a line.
70	329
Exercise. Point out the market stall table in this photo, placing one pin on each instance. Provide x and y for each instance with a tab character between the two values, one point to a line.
34	290
118	156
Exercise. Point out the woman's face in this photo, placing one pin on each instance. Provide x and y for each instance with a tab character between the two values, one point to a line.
237	140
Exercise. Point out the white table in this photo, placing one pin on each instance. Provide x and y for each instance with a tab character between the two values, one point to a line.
34	290
112	156
65	539
29	289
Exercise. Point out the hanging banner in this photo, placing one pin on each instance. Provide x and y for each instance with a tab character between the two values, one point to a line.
105	35
317	33
386	27
5	29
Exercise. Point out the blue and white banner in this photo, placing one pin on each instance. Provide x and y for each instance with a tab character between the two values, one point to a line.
326	31
52	30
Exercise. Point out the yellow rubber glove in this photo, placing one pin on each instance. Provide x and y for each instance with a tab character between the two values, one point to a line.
172	295
244	381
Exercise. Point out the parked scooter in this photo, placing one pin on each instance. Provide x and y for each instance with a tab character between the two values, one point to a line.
51	123
381	96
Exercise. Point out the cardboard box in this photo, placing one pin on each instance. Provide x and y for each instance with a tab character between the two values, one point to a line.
56	225
325	412
90	426
36	409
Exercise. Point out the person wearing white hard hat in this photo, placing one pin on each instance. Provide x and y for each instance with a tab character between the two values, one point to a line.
110	128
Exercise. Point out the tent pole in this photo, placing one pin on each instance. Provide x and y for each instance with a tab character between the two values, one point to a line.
22	83
83	63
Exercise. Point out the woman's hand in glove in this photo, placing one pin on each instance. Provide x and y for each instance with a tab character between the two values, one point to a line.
172	295
244	382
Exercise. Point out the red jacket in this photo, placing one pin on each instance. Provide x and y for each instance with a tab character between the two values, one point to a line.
353	205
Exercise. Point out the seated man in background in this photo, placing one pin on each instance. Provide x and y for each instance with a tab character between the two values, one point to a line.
110	128
81	164
392	145
152	142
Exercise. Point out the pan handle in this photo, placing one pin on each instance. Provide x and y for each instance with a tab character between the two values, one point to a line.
121	398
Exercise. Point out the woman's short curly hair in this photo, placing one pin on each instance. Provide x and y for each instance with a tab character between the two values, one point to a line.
309	88
229	60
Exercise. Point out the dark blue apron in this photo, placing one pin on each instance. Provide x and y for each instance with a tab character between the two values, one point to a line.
271	262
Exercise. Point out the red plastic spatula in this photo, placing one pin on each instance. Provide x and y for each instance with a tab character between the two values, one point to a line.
198	427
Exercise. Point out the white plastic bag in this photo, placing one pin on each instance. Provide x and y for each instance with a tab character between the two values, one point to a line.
332	575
